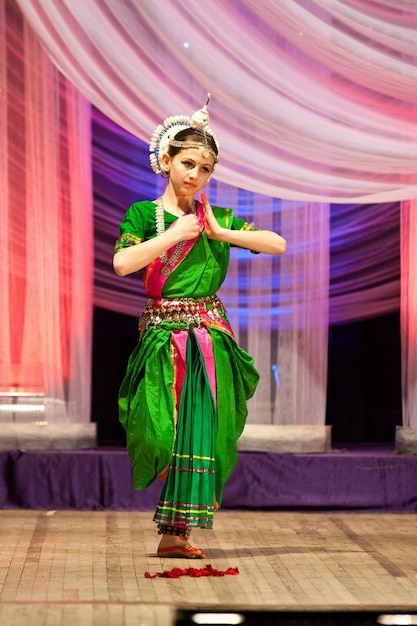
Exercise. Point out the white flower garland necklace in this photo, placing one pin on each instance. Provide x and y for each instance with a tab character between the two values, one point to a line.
160	228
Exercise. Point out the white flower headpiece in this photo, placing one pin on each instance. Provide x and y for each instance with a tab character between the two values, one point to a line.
164	136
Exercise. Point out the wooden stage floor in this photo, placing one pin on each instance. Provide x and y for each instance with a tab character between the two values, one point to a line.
87	568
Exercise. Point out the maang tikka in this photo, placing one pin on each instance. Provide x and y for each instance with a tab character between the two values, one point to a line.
164	136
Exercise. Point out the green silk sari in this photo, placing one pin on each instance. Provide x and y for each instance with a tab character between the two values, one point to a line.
183	399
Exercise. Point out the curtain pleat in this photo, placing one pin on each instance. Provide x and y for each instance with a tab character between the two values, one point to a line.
312	100
46	233
409	312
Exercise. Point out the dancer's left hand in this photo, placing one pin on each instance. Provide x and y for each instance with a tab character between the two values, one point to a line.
211	225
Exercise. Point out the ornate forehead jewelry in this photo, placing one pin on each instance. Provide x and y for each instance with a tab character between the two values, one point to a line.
164	136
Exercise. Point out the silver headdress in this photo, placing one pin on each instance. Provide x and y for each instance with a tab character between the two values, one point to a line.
164	136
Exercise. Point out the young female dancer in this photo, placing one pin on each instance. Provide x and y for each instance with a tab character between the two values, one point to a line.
183	399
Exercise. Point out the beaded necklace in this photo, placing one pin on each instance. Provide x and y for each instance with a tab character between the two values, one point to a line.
160	228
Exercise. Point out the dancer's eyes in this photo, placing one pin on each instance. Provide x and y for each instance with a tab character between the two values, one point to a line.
204	168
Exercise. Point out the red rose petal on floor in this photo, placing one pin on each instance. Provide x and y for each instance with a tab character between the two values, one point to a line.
194	572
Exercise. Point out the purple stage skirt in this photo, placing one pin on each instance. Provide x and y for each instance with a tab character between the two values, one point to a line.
351	480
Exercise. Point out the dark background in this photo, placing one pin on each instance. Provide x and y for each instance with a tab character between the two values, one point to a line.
364	377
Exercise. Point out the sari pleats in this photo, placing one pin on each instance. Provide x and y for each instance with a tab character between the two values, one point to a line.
188	495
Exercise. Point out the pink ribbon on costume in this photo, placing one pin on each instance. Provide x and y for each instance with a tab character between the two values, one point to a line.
206	348
179	339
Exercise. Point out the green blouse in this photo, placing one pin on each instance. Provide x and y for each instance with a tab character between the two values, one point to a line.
202	272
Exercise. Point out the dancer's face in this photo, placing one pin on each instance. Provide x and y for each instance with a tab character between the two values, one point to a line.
189	170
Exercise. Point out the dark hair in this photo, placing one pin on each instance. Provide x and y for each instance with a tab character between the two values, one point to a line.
196	135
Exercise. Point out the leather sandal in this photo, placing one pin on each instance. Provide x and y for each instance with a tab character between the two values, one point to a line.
181	552
177	550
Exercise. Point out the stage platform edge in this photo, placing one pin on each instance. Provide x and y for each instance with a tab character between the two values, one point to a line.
359	479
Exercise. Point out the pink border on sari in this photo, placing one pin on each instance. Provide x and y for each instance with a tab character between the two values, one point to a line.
206	348
179	339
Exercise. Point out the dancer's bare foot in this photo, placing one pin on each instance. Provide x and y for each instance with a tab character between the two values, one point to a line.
172	546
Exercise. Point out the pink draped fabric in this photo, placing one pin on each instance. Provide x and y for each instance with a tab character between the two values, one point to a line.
46	227
409	311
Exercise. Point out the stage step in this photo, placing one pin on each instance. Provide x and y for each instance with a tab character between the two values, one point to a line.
293	438
45	436
405	440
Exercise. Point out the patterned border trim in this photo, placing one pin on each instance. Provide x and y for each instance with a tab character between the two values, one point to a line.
125	241
247	226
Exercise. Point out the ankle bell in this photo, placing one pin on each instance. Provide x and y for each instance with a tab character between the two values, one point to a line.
178	531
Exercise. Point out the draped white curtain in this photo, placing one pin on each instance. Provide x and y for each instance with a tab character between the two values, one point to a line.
279	307
303	331
312	99
46	227
313	103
